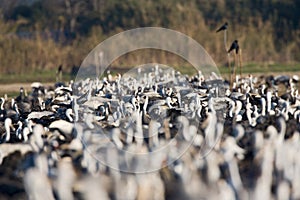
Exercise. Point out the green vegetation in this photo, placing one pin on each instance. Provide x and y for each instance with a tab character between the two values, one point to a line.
267	68
44	76
48	76
37	36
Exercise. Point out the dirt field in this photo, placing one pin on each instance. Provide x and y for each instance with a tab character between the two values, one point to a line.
13	88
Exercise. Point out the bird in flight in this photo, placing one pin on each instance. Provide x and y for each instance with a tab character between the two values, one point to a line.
223	27
234	46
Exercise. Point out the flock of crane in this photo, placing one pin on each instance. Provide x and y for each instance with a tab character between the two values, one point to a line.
161	135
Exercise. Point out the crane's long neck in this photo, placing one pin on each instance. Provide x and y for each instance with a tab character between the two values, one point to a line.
2	104
68	115
8	123
263	106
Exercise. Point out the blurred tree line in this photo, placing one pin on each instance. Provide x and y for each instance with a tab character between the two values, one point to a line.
38	34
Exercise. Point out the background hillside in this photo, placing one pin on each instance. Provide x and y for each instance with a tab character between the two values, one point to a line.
37	35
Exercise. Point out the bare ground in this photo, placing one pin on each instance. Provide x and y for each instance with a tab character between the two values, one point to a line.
15	87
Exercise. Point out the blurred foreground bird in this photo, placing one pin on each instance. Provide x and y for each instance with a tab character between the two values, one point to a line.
223	27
